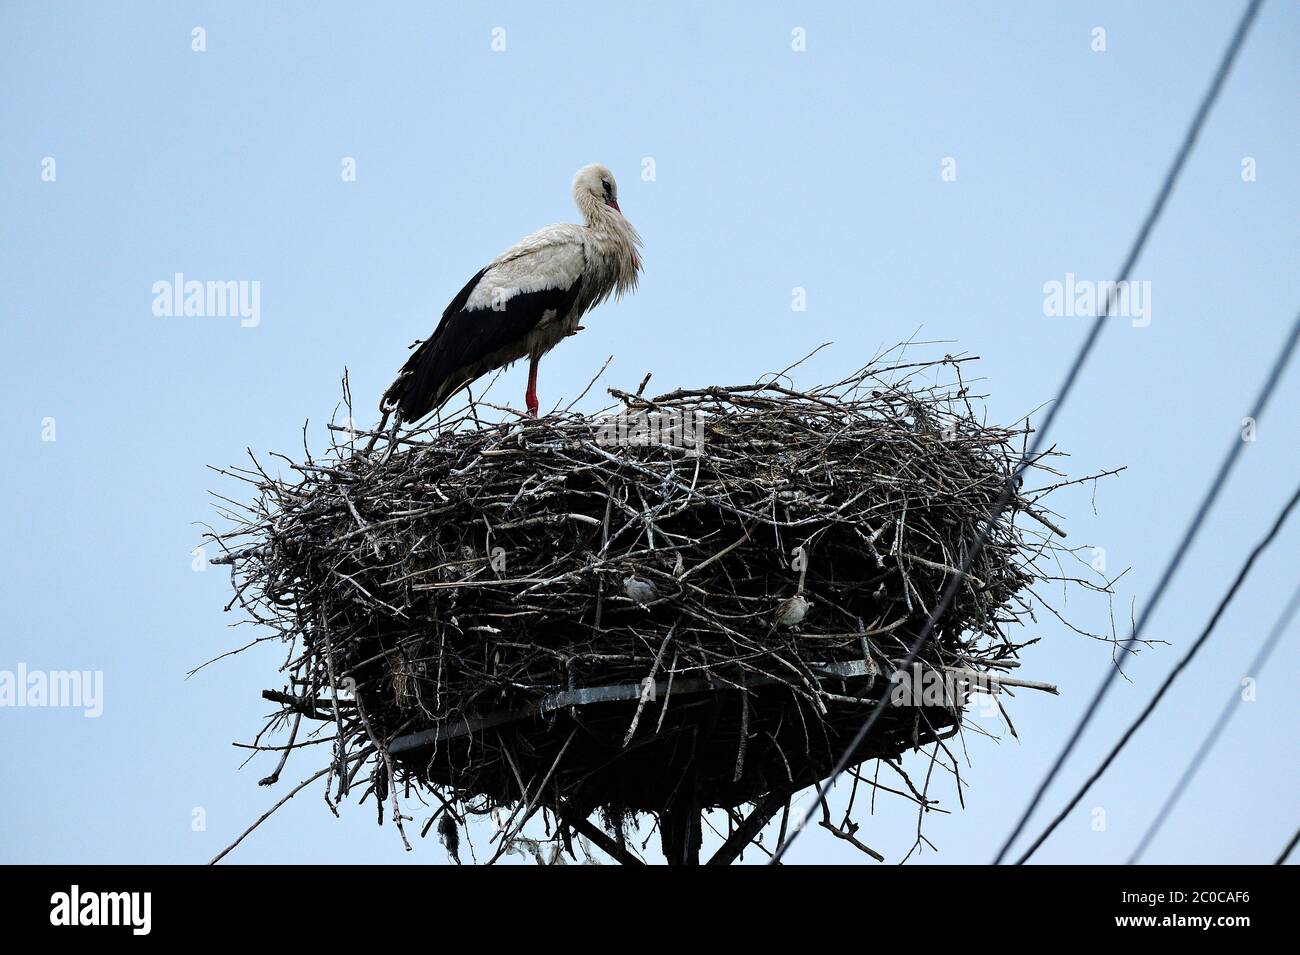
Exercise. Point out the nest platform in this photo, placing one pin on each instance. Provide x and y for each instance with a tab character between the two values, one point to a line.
585	615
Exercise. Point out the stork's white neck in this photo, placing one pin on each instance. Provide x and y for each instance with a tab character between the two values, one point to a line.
614	239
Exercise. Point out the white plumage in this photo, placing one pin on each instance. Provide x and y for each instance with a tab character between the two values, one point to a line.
525	300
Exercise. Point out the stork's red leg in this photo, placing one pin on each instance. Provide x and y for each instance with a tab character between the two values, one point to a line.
530	396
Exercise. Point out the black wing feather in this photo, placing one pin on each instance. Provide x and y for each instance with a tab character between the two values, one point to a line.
457	352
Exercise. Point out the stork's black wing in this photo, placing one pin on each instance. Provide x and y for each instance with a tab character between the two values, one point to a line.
472	340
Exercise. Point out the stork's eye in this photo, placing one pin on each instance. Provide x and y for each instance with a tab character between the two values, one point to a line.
605	185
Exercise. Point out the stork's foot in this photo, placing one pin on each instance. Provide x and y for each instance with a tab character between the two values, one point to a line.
530	400
574	331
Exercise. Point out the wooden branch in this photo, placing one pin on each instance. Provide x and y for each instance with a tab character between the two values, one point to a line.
745	833
598	837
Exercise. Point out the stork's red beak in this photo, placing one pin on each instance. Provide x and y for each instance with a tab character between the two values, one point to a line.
613	202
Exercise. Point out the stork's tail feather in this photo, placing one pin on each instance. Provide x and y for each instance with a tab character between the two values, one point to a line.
415	392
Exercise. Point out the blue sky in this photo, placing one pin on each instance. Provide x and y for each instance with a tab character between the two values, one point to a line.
774	169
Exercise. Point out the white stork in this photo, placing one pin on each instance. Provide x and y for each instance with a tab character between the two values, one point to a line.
524	301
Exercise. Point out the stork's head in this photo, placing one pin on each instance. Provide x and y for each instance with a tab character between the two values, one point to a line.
596	193
593	187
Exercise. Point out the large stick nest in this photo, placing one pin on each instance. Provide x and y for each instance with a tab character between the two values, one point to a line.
567	615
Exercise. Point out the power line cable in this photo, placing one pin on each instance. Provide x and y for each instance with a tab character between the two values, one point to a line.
1189	535
1187	658
1256	667
1094	332
1289	846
